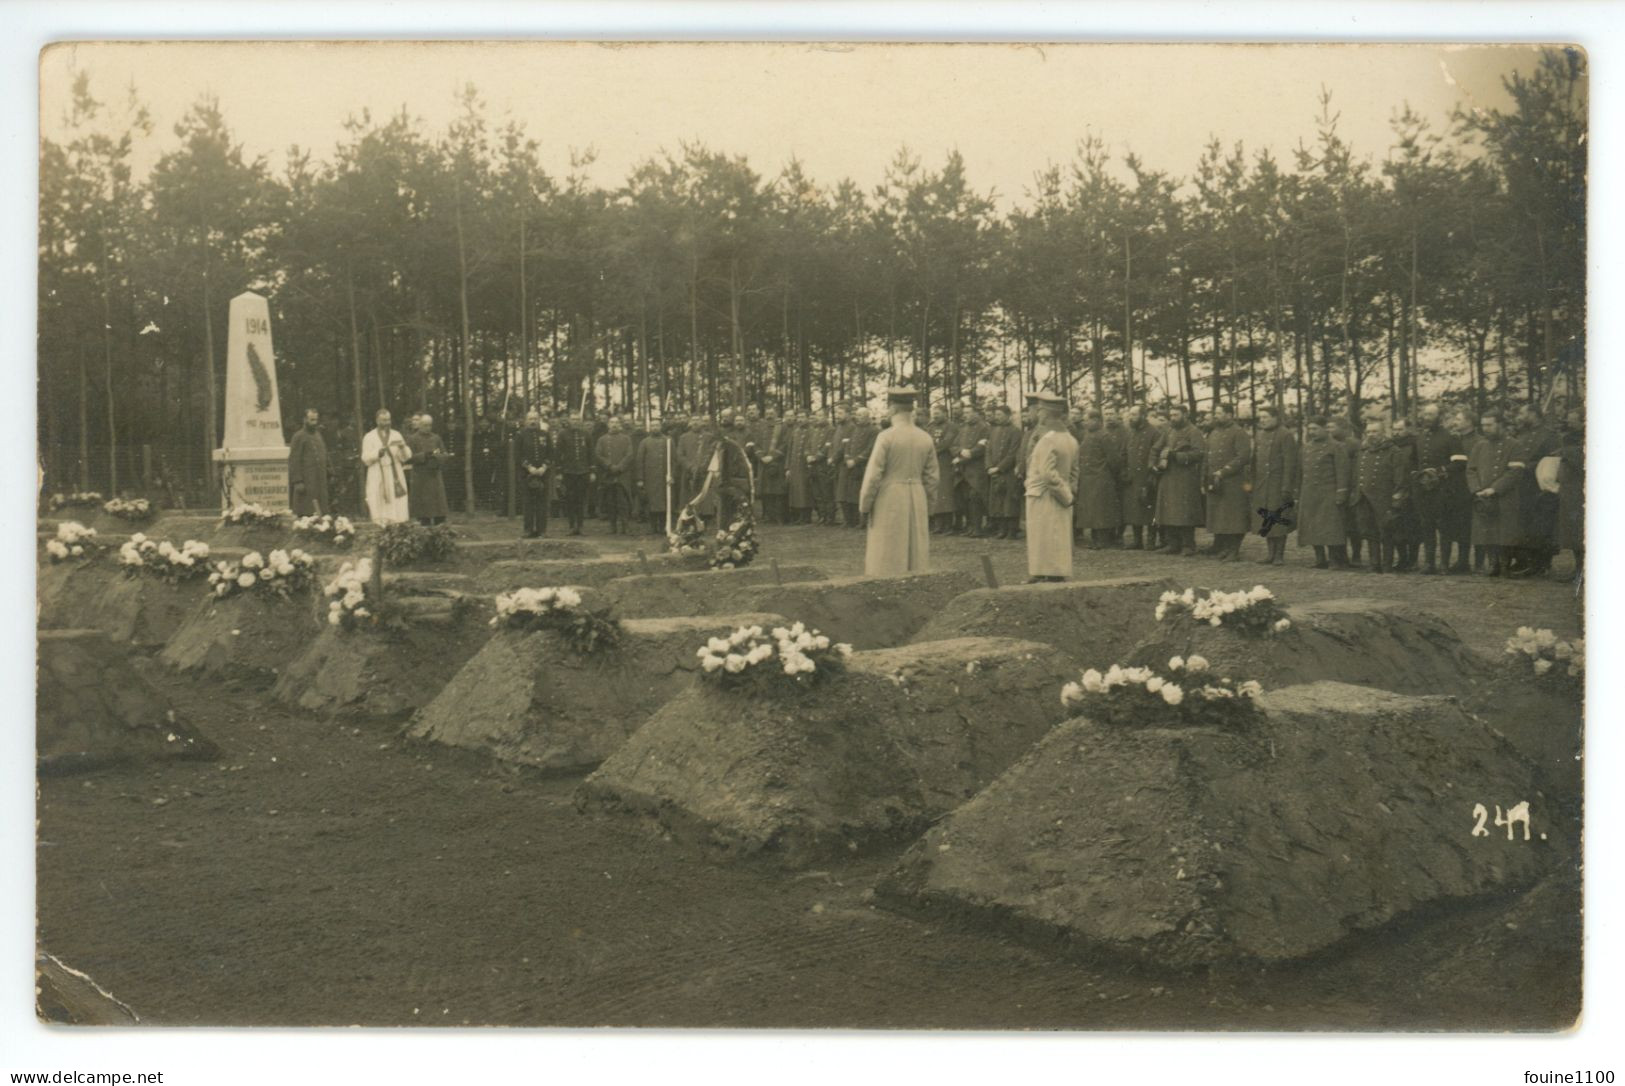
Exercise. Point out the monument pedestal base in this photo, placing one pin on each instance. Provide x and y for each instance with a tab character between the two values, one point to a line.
254	477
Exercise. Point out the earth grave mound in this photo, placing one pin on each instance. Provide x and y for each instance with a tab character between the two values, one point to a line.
385	674
864	612
702	592
143	611
94	709
527	697
1341	809
251	634
864	759
508	574
1090	621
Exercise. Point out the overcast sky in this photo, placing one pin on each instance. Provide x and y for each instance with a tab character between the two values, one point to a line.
843	110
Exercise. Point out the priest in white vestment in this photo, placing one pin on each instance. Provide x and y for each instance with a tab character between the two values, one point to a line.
384	451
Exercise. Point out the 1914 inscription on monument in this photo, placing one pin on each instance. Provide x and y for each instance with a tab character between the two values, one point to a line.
253	454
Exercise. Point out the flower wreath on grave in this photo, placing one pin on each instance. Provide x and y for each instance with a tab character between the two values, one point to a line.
161	558
782	660
737	546
73	542
1141	697
1550	657
128	508
352	604
280	573
337	531
586	631
1254	612
688	537
404	542
79	499
250	515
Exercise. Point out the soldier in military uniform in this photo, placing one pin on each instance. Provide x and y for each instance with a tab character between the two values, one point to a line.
1004	490
1435	445
1381	485
1275	481
1326	481
1100	507
1136	485
970	468
1486	466
1227	456
942	430
1176	457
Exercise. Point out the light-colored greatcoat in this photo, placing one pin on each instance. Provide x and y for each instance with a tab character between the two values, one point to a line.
898	485
1052	486
387	501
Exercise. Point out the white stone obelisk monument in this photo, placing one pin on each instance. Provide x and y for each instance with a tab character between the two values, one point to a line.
253	453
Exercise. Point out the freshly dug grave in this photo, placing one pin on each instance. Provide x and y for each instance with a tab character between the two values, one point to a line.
707	592
1393	646
864	612
94	709
1339	810
248	634
386	674
143	611
1383	643
526	697
504	576
867	758
1095	623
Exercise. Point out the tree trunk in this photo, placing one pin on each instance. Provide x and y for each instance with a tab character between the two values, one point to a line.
463	362
211	430
112	403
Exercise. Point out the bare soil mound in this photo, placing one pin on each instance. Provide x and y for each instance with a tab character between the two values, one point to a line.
249	635
142	611
1342	809
526	697
507	575
383	674
864	612
94	709
706	592
1392	646
864	759
1093	622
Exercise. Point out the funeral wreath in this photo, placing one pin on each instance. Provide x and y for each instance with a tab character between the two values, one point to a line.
561	609
785	658
73	542
251	515
128	508
1253	611
280	573
1549	656
406	542
79	499
326	528
1186	692
139	556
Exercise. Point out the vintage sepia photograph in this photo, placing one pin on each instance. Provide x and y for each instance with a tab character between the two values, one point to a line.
792	535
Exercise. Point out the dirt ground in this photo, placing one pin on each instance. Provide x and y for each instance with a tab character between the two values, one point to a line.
327	873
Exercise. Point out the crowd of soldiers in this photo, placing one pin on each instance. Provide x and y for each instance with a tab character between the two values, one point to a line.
1433	494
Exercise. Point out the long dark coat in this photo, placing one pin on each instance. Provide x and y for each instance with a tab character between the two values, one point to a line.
307	464
1486	465
1275	477
426	479
1228	455
1099	467
534	448
772	443
942	438
1178	452
1382	481
858	447
971	471
649	472
797	472
1526	520
1136	484
1407	523
1325	481
1435	446
840	440
1455	497
1571	485
1004	492
690	470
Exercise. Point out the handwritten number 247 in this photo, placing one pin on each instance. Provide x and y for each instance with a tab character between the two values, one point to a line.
1518	815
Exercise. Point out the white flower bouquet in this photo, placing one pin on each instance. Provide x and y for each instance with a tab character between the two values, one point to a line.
1186	692
737	546
139	556
348	603
280	573
1549	656
1253	611
784	658
128	508
79	499
73	542
337	531
559	609
250	515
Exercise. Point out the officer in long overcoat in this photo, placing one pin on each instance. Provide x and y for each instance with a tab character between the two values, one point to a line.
1275	478
1100	507
1176	458
1137	485
1325	483
1227	456
1486	466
